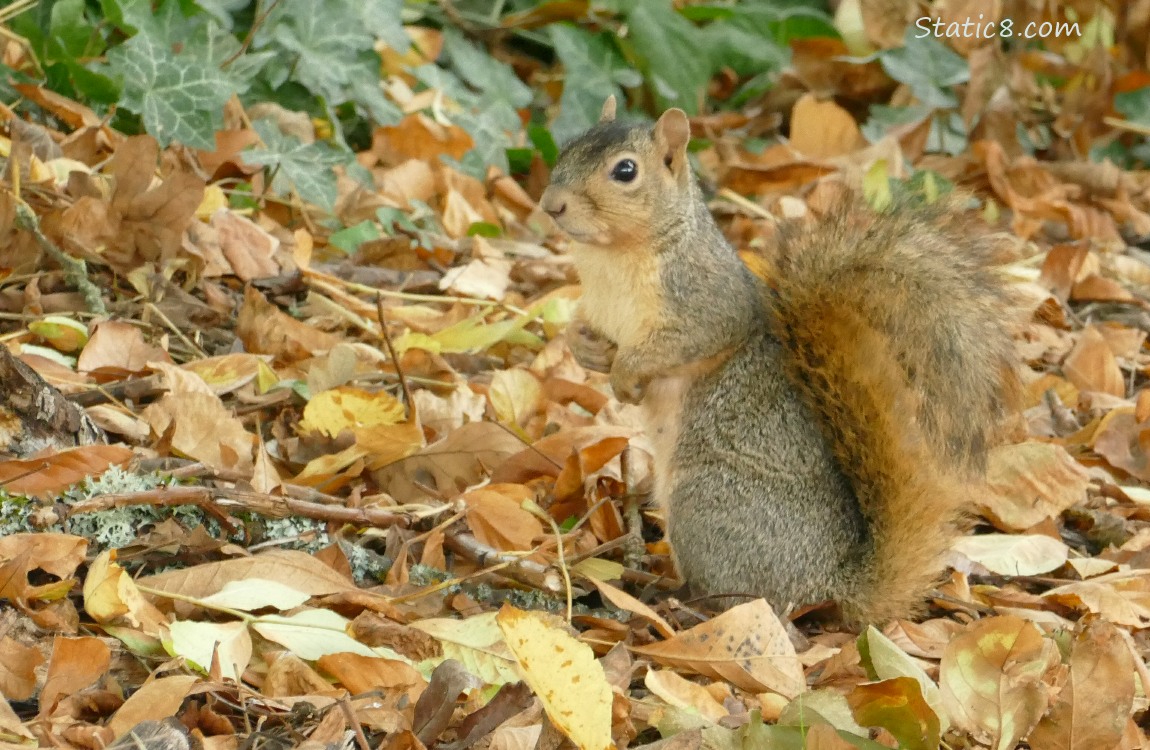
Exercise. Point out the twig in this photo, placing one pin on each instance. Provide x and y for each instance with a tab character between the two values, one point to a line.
519	569
562	563
411	415
179	334
353	720
75	270
245	500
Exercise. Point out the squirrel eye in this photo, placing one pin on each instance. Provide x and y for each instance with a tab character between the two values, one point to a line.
625	171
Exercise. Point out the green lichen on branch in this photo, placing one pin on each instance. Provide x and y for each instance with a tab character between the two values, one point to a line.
75	270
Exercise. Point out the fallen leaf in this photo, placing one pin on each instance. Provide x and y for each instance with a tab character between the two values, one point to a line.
1014	554
746	646
563	674
991	678
1091	710
52	474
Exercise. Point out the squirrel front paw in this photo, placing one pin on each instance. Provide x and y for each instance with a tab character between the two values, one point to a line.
629	388
591	350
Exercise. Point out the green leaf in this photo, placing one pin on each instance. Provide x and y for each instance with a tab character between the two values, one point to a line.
677	69
502	91
223	11
519	160
1134	105
384	20
744	46
928	67
306	168
541	138
71	34
350	238
328	47
484	229
179	97
884	660
592	65
883	119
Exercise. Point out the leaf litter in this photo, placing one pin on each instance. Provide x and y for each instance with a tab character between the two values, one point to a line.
367	497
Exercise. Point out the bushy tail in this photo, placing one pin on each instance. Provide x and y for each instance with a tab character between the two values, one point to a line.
898	334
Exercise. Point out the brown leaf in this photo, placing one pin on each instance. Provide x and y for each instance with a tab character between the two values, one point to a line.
290	675
398	684
1091	365
1030	482
18	665
201	427
52	474
297	570
497	518
249	249
118	349
1125	443
76	663
1094	705
823	129
460	460
746	646
265	329
1123	597
991	678
417	136
156	699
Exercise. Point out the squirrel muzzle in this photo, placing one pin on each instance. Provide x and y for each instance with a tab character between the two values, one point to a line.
572	215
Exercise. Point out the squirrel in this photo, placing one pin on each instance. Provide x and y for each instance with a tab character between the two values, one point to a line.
814	433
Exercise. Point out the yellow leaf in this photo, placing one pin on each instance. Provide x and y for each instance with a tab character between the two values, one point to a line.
214	199
565	676
346	408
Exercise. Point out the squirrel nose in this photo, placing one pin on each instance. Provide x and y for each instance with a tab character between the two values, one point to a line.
553	202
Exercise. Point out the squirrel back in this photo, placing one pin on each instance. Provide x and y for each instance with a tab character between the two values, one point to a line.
814	434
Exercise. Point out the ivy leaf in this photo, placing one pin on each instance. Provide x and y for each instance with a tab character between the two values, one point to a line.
491	142
594	68
179	97
71	35
928	66
1134	105
489	95
744	47
329	49
661	36
223	11
306	168
501	89
384	20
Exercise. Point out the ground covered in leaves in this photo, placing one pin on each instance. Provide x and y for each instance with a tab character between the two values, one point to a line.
277	475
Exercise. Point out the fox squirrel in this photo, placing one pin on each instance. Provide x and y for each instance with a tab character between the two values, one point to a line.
815	434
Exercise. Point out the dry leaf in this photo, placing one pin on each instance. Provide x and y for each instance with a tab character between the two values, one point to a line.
991	679
1092	708
564	675
746	646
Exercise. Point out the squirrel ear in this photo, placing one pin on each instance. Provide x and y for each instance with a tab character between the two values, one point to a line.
672	132
608	113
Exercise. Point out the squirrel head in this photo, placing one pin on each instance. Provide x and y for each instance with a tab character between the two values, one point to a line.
614	185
